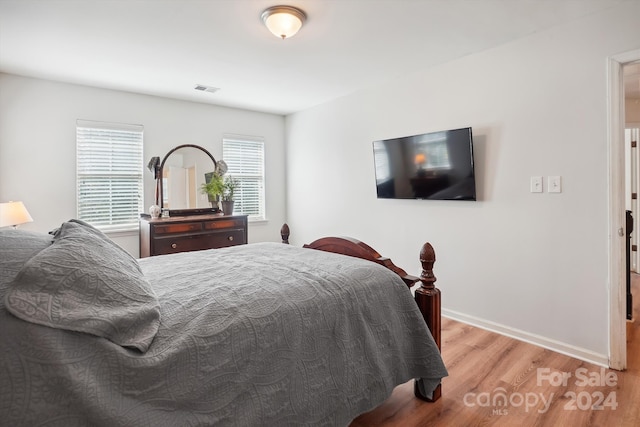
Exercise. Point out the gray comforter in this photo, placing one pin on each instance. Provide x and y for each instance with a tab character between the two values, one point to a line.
254	335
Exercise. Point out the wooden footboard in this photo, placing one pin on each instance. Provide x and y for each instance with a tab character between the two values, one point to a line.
427	296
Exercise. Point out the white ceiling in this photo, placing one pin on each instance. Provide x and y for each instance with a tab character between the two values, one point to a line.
166	47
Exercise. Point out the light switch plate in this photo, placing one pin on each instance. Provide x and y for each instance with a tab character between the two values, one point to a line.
536	184
554	184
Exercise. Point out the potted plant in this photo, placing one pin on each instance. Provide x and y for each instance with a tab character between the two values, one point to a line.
214	188
229	186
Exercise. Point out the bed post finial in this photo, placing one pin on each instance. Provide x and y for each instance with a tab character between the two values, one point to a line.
427	295
284	233
428	299
427	259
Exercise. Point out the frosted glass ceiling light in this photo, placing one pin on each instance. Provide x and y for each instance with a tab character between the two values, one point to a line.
283	21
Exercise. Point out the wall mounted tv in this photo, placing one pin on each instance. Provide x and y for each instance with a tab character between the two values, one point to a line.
434	166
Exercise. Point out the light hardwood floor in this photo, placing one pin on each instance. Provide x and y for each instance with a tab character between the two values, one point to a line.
483	366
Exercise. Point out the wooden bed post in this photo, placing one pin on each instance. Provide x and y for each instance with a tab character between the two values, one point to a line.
428	299
427	296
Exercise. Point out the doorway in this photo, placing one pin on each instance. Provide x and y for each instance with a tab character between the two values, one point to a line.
617	210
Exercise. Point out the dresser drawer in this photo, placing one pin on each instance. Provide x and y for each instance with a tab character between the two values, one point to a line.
197	242
185	227
225	223
227	238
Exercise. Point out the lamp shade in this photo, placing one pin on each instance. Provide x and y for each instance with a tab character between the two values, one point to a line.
283	21
13	213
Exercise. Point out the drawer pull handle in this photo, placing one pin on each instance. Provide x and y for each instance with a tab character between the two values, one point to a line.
231	238
173	245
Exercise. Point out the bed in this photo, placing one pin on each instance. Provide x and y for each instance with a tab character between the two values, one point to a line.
254	335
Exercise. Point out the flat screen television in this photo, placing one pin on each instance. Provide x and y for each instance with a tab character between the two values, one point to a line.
434	166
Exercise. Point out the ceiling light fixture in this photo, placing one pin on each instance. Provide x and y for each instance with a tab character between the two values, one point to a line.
283	21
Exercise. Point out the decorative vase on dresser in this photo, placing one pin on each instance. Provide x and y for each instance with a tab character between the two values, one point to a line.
227	207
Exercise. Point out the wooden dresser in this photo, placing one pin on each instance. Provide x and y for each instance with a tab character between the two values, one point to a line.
191	233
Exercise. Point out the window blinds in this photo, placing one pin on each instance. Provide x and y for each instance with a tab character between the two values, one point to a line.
109	174
244	157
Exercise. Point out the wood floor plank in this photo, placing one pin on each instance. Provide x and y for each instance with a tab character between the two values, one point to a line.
541	387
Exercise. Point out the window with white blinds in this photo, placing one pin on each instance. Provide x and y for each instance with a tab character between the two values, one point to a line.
109	174
244	157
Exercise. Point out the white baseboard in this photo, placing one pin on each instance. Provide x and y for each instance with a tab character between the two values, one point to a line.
557	346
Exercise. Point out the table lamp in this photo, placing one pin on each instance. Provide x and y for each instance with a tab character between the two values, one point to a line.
13	214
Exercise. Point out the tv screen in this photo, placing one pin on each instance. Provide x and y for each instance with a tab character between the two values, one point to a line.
434	166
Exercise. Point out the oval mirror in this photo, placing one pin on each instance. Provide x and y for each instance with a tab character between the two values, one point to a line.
181	174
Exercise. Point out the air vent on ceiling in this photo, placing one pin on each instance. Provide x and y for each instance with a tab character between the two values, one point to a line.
204	88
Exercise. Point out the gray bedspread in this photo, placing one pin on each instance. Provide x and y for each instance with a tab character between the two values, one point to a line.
254	335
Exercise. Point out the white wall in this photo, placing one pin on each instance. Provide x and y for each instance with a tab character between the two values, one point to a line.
534	265
37	144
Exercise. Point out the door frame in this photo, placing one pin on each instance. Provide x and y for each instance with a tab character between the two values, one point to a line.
617	262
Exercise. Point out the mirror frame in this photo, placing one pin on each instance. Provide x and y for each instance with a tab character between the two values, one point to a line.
183	212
